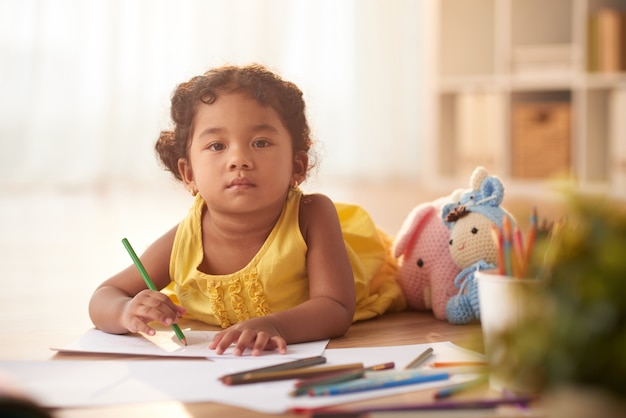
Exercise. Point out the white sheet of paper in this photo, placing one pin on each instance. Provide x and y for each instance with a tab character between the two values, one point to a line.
165	343
77	383
400	355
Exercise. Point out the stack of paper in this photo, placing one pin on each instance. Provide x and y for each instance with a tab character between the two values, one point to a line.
77	383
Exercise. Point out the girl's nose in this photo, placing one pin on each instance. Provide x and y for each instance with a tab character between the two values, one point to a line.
239	159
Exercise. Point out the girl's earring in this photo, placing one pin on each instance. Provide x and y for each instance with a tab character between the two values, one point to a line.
193	191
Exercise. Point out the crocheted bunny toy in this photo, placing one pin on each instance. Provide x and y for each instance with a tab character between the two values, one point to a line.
471	244
426	270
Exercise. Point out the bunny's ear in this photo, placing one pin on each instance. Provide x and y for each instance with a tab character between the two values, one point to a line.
411	228
478	177
492	191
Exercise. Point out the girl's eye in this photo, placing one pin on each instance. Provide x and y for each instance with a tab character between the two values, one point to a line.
261	143
216	146
474	230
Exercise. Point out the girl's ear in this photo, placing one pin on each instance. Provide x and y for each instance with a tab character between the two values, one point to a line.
300	166
186	174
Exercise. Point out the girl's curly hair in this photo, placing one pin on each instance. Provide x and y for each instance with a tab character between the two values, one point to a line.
267	87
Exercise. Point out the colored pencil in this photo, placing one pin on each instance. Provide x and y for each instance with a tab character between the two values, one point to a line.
323	379
506	234
497	237
458	363
382	366
362	385
423	371
420	359
428	406
530	241
305	385
454	389
298	373
456	369
326	380
149	283
518	253
294	364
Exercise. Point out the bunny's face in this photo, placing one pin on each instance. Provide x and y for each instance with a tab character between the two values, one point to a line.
471	240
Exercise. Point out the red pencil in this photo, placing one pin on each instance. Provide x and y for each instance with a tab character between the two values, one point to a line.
518	253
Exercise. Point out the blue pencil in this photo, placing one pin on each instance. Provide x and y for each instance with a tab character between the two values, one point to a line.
451	390
362	385
507	234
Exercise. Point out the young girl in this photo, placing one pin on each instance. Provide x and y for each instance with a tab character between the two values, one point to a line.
254	255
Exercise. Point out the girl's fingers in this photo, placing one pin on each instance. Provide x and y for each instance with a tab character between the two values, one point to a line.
253	339
148	306
260	343
245	340
138	325
223	340
280	344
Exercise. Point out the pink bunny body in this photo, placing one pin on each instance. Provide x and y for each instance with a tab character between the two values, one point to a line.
426	270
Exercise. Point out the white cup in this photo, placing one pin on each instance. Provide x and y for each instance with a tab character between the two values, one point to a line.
503	305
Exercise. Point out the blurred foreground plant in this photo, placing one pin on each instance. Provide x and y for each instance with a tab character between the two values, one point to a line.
576	333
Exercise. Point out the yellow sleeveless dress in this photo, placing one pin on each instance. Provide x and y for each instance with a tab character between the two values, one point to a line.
276	277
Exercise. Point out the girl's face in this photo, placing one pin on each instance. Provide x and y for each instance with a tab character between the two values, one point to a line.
240	157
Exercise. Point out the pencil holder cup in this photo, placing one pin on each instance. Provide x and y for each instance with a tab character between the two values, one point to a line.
505	302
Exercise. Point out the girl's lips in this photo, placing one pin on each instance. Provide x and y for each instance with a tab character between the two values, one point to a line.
240	182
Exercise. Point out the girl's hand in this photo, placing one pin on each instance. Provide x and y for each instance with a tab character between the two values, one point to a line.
148	306
257	334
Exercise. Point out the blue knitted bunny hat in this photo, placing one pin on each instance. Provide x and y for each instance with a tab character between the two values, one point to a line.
485	197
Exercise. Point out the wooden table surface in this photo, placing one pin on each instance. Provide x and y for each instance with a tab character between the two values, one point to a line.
387	330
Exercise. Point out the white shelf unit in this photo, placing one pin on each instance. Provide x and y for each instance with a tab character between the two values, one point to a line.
484	54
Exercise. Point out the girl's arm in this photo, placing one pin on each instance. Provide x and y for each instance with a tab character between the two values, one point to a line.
123	303
332	295
330	308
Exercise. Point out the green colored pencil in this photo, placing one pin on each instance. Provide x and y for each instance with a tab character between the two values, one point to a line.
149	283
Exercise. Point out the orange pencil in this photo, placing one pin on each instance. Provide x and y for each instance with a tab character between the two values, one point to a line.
458	363
497	237
518	253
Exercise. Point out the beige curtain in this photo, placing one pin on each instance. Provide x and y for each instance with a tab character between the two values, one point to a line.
85	85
